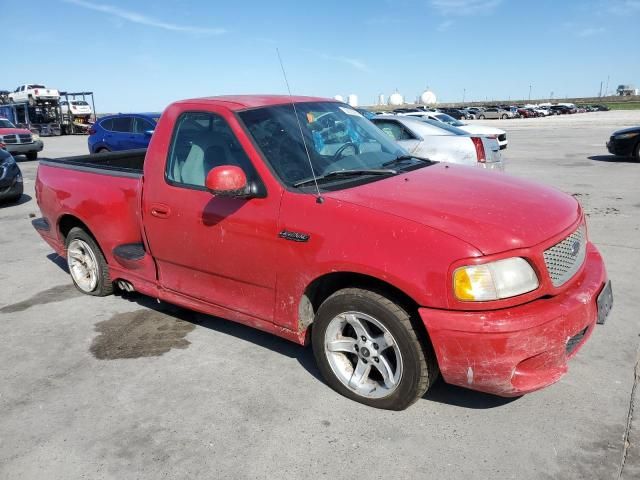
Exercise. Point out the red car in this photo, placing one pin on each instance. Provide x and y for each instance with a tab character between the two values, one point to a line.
299	217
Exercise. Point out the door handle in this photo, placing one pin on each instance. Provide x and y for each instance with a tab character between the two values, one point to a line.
160	211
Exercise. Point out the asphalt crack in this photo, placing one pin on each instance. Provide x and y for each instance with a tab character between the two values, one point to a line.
627	431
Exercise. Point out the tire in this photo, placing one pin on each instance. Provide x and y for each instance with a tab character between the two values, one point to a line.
390	324
89	252
636	152
504	117
481	117
103	150
32	155
32	102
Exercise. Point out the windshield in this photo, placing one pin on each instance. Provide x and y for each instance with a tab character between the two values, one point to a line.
79	102
36	86
450	120
6	124
337	138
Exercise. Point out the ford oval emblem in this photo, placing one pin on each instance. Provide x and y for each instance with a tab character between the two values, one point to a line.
575	248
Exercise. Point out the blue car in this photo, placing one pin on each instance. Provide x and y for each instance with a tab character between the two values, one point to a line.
124	131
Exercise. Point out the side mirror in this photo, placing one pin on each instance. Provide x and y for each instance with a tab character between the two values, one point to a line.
148	133
227	181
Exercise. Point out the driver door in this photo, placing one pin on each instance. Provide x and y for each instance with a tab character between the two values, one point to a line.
215	250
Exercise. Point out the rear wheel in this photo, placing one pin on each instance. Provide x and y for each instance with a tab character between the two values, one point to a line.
636	152
504	117
481	117
368	350
103	150
87	266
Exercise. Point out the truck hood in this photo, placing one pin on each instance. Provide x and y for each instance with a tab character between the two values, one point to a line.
493	212
14	131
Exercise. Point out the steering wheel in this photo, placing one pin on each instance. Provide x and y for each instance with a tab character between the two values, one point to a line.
338	154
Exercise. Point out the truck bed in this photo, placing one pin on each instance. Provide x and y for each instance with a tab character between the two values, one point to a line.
123	163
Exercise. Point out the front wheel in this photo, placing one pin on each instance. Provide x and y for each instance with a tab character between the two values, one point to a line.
481	117
87	265
636	152
368	350
32	155
504	117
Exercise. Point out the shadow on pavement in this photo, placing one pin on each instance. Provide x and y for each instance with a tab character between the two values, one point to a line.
23	199
612	159
303	355
442	392
439	392
59	261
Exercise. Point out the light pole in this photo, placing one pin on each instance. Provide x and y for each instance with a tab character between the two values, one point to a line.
529	92
464	94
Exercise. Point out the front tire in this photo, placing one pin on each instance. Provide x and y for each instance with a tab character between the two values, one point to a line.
368	350
88	268
32	155
481	117
504	117
636	152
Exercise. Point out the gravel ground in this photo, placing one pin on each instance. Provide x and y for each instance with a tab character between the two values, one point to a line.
126	388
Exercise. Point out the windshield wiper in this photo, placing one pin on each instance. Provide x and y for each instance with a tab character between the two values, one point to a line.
346	173
404	158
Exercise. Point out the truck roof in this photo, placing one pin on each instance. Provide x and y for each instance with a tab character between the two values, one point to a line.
241	102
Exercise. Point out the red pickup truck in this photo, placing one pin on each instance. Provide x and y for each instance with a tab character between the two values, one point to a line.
298	216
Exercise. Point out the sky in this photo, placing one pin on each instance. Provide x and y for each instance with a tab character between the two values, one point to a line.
140	56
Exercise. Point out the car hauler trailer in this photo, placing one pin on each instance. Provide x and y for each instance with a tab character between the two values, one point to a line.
43	119
76	122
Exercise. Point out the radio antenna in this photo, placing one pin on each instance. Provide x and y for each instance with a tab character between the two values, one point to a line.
319	198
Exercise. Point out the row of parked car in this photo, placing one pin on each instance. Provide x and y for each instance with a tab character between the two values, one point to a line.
503	112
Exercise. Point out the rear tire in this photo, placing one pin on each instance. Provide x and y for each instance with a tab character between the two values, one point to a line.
88	268
636	152
360	331
481	117
504	117
103	150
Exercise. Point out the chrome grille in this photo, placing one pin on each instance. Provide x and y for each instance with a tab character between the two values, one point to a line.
565	258
10	139
25	138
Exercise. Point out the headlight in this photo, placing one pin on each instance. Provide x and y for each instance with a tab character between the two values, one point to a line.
493	281
625	136
35	136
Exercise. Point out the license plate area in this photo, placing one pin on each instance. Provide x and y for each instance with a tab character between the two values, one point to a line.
604	302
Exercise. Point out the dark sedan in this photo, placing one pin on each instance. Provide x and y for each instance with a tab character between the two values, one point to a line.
10	178
625	143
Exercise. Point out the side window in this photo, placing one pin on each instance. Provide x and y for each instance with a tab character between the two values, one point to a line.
122	124
140	125
107	124
202	141
394	130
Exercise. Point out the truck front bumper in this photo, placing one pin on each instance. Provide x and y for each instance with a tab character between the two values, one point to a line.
20	148
517	350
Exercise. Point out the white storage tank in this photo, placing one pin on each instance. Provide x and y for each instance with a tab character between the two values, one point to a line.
381	99
352	100
339	98
428	98
396	99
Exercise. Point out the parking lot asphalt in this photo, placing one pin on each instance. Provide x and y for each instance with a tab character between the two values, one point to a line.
124	387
